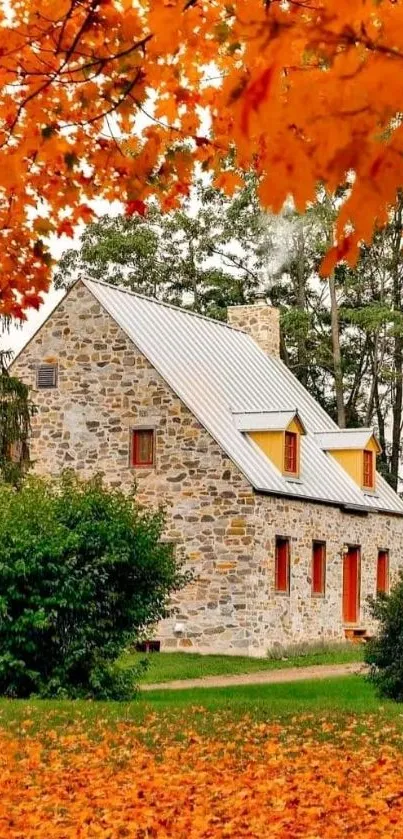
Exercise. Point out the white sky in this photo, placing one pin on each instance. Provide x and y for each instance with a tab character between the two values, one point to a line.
17	336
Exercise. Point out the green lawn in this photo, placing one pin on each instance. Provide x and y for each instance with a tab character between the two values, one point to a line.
165	667
297	703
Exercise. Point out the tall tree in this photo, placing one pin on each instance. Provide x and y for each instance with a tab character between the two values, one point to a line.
373	309
114	99
205	256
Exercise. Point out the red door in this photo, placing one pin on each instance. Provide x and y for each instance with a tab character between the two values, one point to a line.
351	585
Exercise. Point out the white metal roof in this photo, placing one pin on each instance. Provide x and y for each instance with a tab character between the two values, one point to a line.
217	370
264	420
344	438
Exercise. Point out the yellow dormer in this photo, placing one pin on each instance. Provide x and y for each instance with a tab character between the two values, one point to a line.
277	433
356	450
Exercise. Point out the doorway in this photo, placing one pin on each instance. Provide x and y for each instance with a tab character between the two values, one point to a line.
351	585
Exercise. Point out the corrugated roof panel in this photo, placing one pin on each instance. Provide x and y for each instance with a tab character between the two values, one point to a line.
344	438
263	420
216	370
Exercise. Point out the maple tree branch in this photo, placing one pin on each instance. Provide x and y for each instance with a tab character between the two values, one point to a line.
114	107
64	24
155	119
113	136
83	27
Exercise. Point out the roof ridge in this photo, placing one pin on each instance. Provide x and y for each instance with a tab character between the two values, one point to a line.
163	303
346	430
264	411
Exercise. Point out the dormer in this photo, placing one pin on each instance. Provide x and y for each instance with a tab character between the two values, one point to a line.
277	434
356	450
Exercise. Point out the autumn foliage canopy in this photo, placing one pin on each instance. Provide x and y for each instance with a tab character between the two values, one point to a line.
121	98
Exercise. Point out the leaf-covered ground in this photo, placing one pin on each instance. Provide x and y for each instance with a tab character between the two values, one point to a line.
198	772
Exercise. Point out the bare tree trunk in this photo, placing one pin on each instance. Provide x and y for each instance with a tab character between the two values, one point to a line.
350	407
371	397
397	407
284	351
397	411
300	294
337	365
381	421
193	279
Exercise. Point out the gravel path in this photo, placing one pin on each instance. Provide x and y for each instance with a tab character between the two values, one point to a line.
263	677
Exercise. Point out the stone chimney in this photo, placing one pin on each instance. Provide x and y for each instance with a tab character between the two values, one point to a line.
261	321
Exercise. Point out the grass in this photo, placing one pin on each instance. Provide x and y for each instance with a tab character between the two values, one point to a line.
166	667
335	698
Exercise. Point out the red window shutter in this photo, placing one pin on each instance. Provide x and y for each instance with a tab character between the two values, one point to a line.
368	469
282	581
291	452
318	567
382	572
143	447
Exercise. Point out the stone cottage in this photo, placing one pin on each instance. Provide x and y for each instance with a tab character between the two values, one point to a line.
280	514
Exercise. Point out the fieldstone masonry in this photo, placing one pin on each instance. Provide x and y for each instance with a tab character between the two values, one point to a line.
261	321
222	527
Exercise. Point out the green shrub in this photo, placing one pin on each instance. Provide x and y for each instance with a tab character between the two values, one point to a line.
384	652
83	571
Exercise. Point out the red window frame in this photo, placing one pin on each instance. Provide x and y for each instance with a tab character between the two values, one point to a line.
282	565
291	452
318	568
382	572
137	457
368	469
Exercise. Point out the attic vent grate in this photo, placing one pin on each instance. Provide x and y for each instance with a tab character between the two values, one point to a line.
46	376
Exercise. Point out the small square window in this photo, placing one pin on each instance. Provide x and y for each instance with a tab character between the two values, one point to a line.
143	447
46	376
318	568
282	570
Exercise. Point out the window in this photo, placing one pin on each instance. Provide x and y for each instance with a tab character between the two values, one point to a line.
318	568
46	376
291	452
142	448
368	481
382	572
282	572
148	647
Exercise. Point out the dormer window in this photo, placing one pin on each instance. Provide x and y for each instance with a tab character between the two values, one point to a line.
368	471
277	434
356	450
291	452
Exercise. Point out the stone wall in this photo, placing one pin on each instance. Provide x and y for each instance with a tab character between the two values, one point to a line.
299	616
105	387
261	321
225	530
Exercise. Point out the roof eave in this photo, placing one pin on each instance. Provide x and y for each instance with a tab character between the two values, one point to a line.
350	508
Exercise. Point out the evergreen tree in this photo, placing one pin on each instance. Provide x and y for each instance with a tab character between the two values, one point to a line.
16	411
